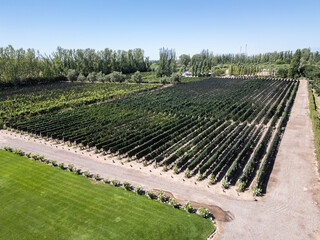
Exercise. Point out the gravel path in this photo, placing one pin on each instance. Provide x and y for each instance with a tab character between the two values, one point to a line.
290	210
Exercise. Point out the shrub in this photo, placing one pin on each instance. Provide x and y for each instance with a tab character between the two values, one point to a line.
115	182
173	203
106	180
19	152
225	184
70	167
136	77
176	170
77	170
212	179
161	196
61	165
72	75
242	186
35	156
257	192
151	194
86	173
96	176
139	190
188	207
41	158
127	186
92	77
187	174
163	80
203	212
165	168
54	163
28	155
200	177
81	77
8	149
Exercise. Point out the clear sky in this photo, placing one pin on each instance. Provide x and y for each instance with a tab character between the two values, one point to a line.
221	26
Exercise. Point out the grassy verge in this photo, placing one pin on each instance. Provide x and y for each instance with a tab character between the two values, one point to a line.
42	202
315	121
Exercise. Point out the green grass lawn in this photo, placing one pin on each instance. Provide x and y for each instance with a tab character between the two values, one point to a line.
42	202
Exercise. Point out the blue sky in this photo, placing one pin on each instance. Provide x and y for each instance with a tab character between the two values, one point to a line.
187	26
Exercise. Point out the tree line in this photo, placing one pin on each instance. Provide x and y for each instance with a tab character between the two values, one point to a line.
29	66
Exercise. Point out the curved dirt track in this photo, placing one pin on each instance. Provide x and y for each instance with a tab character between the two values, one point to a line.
290	209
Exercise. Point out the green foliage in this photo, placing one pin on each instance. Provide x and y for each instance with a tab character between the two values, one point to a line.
151	194
21	66
127	186
81	78
225	184
96	176
167	62
188	207
92	77
242	186
136	77
257	191
161	196
173	203
139	190
72	75
115	182
294	70
19	152
203	212
187	174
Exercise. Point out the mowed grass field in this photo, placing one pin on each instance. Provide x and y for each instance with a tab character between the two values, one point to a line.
42	202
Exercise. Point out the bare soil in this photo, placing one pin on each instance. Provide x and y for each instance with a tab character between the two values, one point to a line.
290	209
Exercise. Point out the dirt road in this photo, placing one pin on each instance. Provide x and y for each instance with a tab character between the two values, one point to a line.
290	210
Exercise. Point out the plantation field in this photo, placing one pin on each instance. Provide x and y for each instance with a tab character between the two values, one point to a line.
219	129
42	202
40	99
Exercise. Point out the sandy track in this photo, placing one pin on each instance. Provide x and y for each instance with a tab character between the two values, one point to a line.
290	210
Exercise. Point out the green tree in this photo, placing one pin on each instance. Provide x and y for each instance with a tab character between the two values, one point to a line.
72	75
136	77
294	69
92	77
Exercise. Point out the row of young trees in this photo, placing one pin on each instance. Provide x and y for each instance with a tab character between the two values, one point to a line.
19	65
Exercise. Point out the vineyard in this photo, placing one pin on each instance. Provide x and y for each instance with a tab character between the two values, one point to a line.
40	99
218	129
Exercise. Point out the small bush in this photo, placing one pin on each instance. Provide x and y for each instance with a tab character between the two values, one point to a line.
19	152
176	170
115	182
212	179
173	203
187	174
28	155
139	190
165	168
54	163
242	186
127	186
96	176
257	192
61	165
188	207
87	173
35	156
225	184
200	177
203	212
161	196
8	149
106	180
151	194
70	167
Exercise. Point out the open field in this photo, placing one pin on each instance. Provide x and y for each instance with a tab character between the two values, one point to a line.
42	202
291	206
224	130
